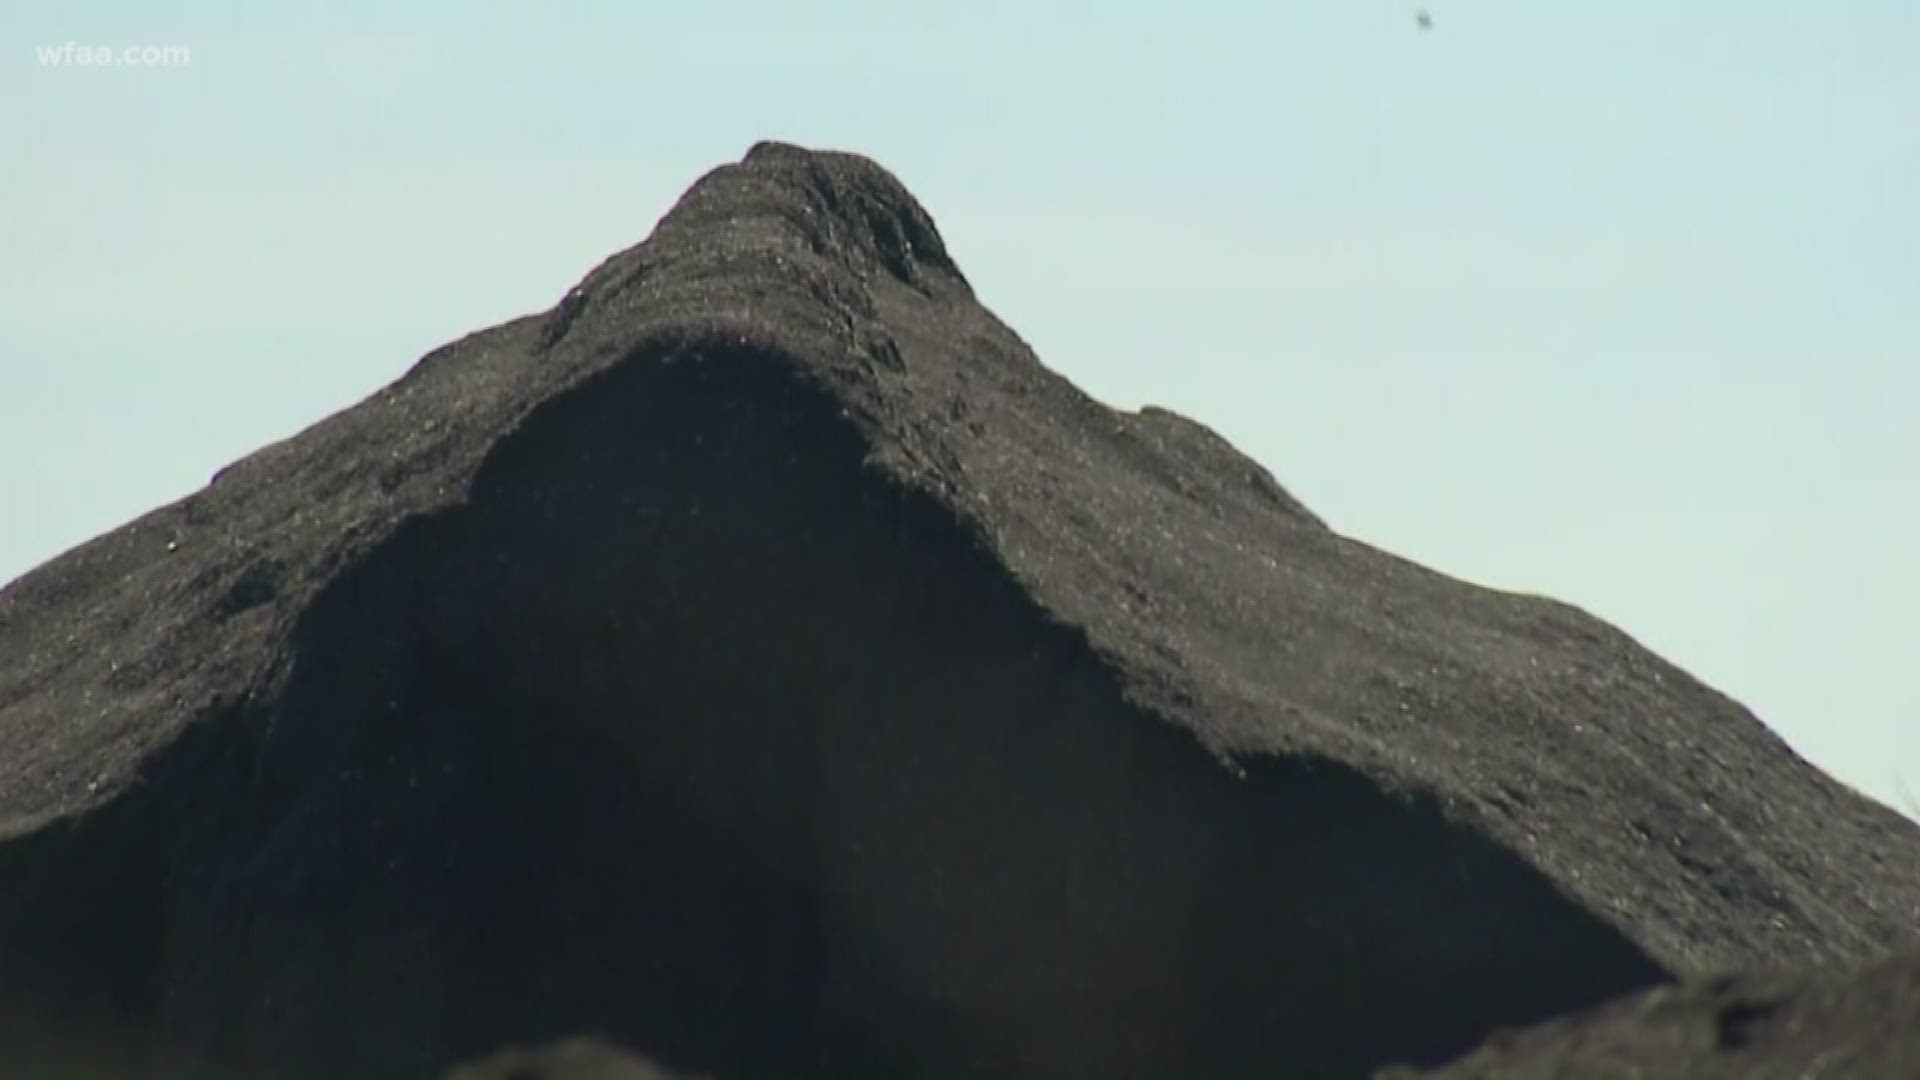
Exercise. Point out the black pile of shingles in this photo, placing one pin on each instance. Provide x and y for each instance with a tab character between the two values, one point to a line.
761	660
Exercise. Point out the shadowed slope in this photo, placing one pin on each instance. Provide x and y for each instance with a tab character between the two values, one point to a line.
760	726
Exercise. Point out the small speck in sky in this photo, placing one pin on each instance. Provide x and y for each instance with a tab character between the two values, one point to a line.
1424	18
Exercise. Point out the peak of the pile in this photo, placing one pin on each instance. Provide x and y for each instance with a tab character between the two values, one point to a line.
841	204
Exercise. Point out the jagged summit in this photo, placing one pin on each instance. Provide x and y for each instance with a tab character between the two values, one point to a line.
826	220
763	660
838	190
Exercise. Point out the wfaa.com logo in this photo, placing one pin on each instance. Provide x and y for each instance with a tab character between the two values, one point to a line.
74	54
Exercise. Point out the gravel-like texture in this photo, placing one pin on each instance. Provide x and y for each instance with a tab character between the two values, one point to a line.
1862	1025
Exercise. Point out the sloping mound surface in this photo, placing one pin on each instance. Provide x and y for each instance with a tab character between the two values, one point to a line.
1750	1027
761	660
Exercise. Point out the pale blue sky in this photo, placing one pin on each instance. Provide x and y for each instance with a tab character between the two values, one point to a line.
1615	302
